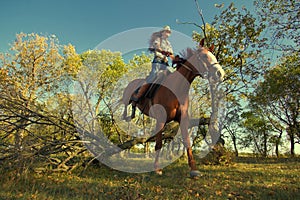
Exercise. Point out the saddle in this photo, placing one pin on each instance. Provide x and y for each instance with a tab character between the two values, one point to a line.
150	89
155	85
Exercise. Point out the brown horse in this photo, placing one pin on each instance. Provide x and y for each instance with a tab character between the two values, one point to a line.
170	101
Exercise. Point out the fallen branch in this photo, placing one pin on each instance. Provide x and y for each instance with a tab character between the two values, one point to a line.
169	132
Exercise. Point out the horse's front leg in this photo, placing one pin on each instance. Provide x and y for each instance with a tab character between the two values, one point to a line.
187	143
158	139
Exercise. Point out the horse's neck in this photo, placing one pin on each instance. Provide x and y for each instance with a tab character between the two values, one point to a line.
185	71
179	82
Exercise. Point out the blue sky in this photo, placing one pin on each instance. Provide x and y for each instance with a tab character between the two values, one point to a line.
86	23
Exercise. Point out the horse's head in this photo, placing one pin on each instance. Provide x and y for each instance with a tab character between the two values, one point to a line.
212	69
206	64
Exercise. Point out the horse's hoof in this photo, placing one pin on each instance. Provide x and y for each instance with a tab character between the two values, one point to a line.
159	172
194	173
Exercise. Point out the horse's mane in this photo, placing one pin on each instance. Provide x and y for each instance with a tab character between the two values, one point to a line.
188	52
154	36
184	56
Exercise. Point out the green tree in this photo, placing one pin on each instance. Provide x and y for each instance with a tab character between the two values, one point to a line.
279	96
233	125
283	22
94	96
236	35
257	132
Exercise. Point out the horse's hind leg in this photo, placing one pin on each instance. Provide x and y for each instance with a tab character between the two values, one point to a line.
158	146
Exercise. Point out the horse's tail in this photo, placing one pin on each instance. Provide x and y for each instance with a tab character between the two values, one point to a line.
130	89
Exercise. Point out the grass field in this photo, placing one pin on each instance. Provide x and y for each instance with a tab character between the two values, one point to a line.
246	178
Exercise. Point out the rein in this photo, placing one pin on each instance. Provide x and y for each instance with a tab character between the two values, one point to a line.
197	73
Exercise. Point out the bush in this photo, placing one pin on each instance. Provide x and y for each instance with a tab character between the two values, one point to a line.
219	155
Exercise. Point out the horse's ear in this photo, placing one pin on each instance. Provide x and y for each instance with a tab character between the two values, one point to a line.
211	48
201	43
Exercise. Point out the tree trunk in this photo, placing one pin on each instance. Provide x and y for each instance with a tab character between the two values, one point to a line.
235	146
292	144
277	142
291	134
265	150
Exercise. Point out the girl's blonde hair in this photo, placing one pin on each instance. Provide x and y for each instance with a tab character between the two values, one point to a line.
154	36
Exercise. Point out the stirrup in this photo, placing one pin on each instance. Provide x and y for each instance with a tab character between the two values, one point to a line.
133	112
135	99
